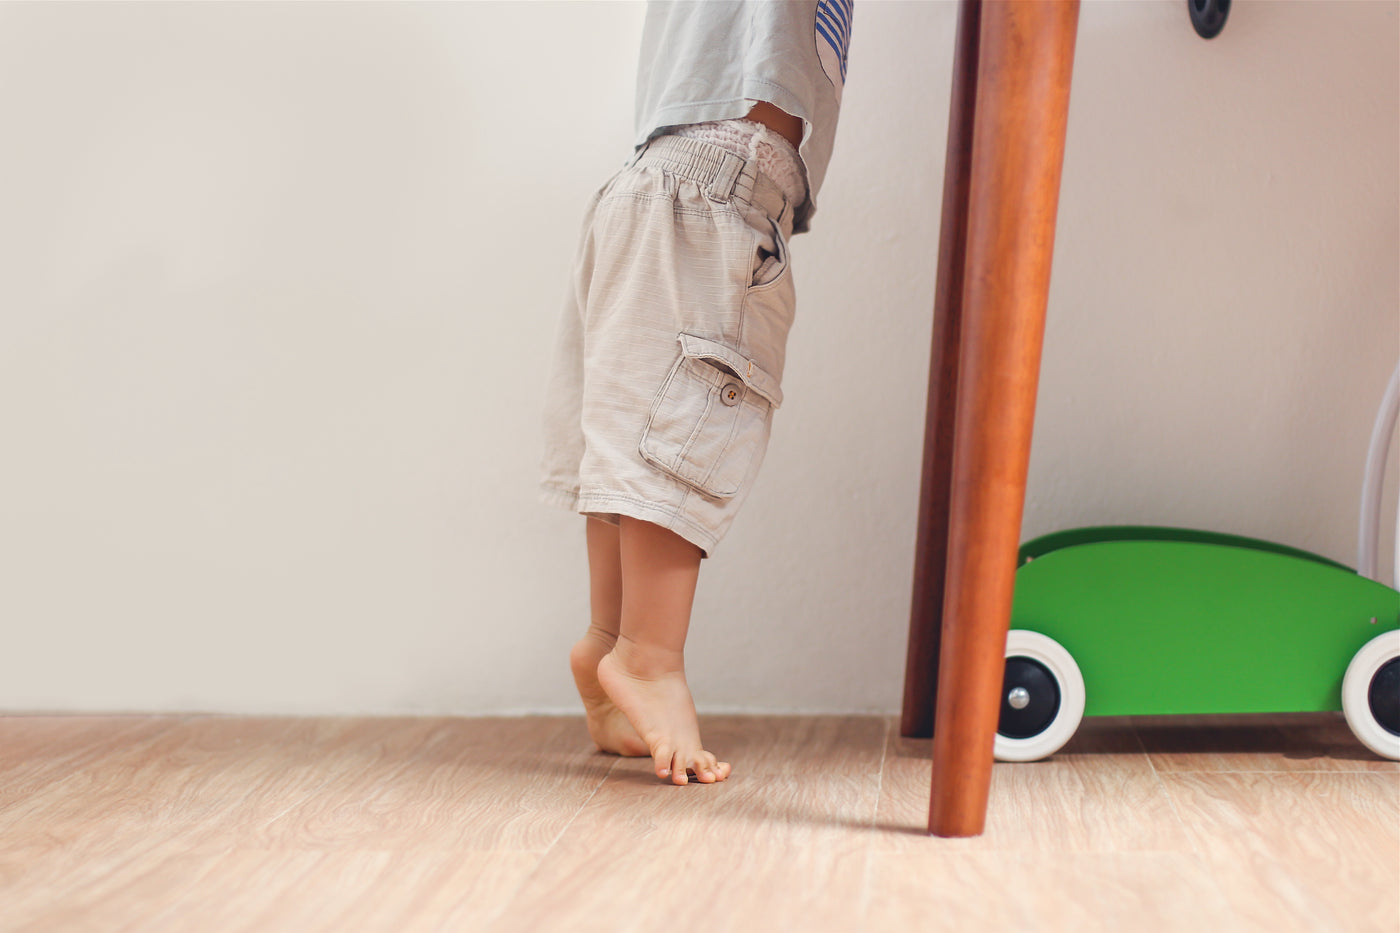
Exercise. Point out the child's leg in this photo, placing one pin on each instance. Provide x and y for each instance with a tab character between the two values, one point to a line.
607	725
644	674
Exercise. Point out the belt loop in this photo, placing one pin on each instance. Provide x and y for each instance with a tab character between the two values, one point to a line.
722	188
746	185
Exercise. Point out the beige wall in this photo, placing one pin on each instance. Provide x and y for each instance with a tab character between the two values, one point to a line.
278	283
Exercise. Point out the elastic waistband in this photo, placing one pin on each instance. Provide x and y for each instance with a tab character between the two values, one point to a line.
723	174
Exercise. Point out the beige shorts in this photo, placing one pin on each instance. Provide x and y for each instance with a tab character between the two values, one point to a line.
671	347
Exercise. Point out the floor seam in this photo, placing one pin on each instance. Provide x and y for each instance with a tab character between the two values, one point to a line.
863	908
1166	791
544	853
1200	856
612	765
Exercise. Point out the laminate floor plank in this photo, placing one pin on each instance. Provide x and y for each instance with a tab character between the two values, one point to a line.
215	774
781	845
36	751
1097	794
1306	851
169	888
1083	892
31	739
298	783
82	848
510	784
46	883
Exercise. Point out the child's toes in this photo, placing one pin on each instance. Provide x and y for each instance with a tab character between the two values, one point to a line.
662	757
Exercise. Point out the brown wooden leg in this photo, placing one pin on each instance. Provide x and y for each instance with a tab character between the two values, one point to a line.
931	551
1025	60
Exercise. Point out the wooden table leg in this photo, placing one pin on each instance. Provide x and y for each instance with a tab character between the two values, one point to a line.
931	551
1024	64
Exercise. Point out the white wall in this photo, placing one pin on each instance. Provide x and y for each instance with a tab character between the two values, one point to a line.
278	283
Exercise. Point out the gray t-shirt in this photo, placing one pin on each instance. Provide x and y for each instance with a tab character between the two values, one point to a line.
708	60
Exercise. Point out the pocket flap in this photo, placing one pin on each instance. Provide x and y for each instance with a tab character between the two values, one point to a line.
753	376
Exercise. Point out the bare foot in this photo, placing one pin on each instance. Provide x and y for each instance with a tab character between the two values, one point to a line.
607	725
649	687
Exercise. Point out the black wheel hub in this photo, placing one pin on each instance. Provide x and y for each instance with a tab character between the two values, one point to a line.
1384	696
1030	699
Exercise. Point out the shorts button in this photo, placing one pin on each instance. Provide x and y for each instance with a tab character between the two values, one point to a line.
731	394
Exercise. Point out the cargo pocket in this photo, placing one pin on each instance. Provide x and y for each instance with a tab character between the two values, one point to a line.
711	418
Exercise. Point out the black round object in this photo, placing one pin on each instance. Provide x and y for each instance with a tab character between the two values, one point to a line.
1035	717
1208	16
1384	696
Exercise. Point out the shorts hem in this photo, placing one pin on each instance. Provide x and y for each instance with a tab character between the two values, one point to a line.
666	517
568	499
608	506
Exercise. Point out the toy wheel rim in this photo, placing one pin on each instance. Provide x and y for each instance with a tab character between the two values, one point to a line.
1369	694
1049	655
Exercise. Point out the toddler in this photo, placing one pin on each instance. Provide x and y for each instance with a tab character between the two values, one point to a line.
671	349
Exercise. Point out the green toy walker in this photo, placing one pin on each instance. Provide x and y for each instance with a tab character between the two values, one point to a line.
1138	621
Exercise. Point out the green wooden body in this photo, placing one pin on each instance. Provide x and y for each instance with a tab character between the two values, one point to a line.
1164	620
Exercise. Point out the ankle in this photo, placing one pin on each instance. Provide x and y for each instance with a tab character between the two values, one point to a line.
592	647
598	638
641	659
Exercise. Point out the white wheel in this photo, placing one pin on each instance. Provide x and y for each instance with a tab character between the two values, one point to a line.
1371	694
1042	698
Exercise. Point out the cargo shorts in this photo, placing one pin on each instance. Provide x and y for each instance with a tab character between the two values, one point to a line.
669	359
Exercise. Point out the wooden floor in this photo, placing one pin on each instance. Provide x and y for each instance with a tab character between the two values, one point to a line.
212	824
